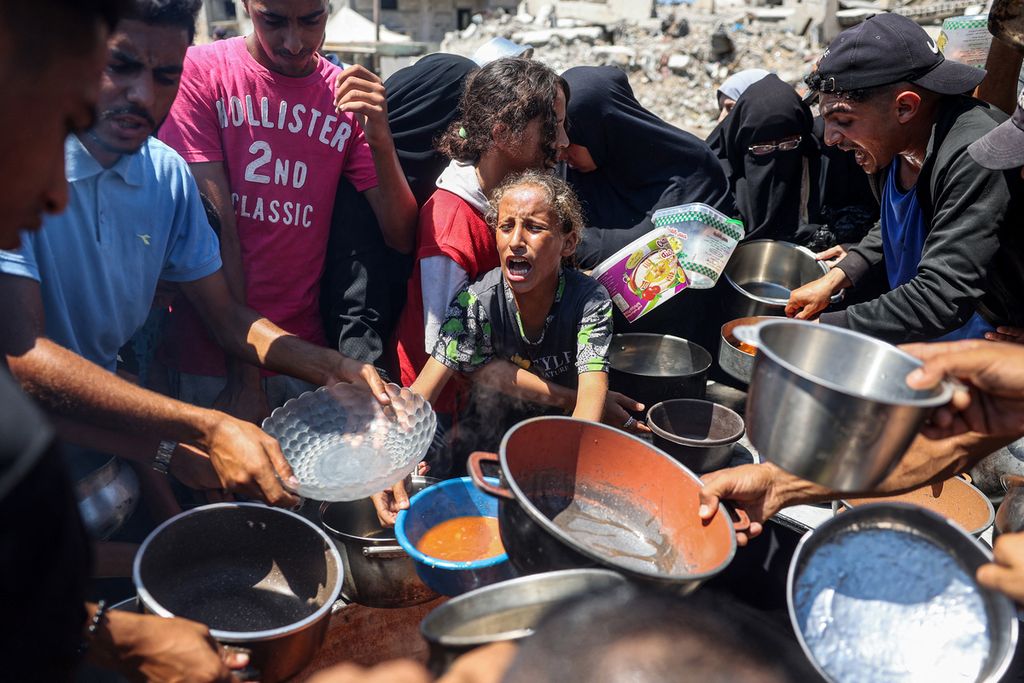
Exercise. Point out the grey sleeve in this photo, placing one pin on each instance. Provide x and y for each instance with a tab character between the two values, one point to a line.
971	205
863	257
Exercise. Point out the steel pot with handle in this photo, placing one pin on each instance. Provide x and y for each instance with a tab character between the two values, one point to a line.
262	579
832	405
763	273
580	494
378	572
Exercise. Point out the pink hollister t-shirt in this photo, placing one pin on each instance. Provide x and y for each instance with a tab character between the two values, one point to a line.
284	148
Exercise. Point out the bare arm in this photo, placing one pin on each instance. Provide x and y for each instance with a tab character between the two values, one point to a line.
591	395
66	384
361	92
1002	69
432	379
247	335
762	490
243	395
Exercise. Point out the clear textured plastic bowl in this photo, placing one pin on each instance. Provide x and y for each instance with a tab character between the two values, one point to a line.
343	445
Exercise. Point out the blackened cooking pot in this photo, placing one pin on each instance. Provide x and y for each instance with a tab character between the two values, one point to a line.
652	368
578	494
262	579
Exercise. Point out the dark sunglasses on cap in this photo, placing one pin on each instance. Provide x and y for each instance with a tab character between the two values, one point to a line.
787	145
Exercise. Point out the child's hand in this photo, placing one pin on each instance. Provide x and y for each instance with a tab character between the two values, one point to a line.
616	413
390	502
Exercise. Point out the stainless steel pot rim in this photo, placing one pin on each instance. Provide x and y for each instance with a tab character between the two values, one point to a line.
347	536
867	512
146	598
502	586
772	301
943	397
685	441
549	526
696	370
410	548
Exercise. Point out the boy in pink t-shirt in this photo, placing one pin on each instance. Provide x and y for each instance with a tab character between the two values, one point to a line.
268	138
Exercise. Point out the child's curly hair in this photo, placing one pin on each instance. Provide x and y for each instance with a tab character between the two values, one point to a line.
559	196
511	91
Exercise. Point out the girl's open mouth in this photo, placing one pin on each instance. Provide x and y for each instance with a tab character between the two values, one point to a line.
517	268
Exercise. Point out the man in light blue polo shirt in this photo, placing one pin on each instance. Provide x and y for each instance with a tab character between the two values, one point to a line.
76	292
126	227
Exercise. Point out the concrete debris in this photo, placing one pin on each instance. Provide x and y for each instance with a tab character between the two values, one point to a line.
675	63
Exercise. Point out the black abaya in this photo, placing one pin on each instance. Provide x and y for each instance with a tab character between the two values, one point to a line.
363	288
769	189
643	163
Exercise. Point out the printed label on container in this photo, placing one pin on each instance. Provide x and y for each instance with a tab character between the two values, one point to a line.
689	247
644	274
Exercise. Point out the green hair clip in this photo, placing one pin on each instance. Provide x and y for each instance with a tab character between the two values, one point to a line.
462	133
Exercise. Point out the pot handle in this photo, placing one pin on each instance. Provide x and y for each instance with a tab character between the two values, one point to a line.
1009	481
475	465
383	552
740	519
249	673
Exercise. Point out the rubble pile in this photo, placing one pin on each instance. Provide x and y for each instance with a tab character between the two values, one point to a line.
675	62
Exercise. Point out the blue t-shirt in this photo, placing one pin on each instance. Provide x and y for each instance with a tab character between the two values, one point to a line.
903	235
125	228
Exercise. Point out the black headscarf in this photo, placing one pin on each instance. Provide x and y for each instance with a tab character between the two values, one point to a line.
638	155
423	99
768	188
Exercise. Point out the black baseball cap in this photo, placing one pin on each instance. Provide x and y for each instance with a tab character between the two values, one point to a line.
889	48
1002	147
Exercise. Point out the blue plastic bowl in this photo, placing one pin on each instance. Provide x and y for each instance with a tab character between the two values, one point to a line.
430	507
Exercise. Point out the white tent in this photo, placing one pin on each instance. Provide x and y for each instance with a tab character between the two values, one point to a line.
348	27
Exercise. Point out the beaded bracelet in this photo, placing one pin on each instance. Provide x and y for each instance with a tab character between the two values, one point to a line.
94	625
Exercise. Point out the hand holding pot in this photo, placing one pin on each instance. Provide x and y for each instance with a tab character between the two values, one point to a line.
992	403
1006	574
157	649
814	297
748	487
390	502
832	255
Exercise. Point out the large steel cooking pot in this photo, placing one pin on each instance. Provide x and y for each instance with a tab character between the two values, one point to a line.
652	368
762	273
260	578
378	573
832	405
578	494
505	611
877	595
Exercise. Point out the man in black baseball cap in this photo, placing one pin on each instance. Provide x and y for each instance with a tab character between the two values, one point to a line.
946	235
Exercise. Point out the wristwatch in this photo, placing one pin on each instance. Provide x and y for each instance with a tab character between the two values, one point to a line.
164	453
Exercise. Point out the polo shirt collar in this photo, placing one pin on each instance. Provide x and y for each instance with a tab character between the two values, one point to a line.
81	165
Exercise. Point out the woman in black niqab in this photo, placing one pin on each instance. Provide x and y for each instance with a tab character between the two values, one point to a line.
643	163
776	193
